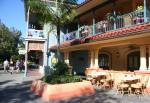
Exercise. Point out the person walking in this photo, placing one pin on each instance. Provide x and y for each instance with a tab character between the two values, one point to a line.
11	67
21	65
17	65
6	65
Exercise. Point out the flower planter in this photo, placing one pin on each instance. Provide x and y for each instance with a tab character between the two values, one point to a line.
61	91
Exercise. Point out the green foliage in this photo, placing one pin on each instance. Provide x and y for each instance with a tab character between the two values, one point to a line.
47	78
61	68
56	79
9	40
61	12
46	13
60	75
112	17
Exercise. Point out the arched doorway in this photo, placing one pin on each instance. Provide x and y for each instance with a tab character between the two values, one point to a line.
104	61
133	61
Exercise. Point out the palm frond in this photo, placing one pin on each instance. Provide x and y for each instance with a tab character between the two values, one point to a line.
47	14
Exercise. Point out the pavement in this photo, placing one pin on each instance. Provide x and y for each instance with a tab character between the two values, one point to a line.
16	89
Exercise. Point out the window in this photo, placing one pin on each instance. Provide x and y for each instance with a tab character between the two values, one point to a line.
104	61
133	61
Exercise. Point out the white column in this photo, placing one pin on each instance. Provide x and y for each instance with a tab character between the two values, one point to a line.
45	60
45	51
26	43
66	56
92	58
26	58
96	58
143	58
149	57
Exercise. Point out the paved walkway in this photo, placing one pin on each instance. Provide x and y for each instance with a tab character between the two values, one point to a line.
16	89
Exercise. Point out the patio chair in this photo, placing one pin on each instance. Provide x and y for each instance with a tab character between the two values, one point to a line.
108	81
121	87
140	85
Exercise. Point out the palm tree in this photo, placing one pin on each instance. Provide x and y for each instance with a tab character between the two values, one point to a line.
63	12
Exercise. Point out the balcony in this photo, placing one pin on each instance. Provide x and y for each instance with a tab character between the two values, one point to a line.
118	22
33	33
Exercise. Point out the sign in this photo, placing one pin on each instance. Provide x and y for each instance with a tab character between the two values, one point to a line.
22	51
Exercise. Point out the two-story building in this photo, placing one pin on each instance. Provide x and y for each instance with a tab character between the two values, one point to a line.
39	37
109	34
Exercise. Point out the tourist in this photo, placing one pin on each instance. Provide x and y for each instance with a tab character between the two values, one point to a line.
17	66
11	67
21	65
6	65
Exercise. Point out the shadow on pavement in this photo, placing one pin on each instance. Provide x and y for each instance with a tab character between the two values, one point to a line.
5	82
18	93
100	96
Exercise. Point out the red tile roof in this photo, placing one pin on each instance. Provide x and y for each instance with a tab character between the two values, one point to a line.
108	35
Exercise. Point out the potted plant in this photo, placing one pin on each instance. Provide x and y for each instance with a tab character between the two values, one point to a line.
60	84
139	15
84	31
111	17
111	20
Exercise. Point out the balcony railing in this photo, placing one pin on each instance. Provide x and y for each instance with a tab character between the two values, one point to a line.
35	33
121	21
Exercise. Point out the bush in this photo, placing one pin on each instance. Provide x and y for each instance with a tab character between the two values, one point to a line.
61	79
61	68
60	75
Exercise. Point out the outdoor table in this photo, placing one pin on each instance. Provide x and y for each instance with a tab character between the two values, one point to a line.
130	80
98	76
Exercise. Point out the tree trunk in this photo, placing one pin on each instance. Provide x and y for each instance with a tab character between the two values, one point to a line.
58	44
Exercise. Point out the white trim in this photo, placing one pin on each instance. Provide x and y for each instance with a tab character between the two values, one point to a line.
35	39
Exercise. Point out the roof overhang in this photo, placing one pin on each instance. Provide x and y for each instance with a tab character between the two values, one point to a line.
88	5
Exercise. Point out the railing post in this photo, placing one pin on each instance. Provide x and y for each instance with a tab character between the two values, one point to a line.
67	30
145	10
114	15
93	23
78	33
115	20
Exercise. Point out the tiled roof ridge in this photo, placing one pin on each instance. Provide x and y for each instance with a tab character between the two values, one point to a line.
109	35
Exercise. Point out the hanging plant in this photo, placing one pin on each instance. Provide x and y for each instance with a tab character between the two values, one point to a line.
112	17
140	8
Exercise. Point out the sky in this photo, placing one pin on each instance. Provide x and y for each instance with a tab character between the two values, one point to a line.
12	14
